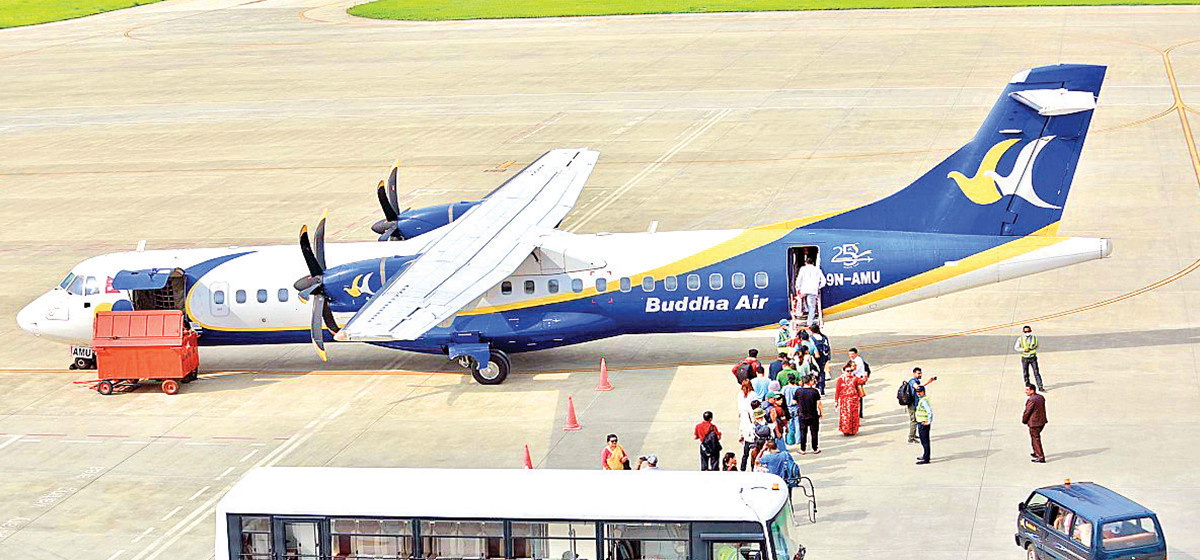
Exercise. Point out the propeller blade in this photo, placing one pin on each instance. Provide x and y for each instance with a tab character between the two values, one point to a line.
308	285
319	240
314	266
393	196
318	336
327	314
389	211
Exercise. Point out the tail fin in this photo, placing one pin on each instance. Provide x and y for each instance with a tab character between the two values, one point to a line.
1013	177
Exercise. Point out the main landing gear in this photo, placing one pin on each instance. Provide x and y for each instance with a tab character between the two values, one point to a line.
492	373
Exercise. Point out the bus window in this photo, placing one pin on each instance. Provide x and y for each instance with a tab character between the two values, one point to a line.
553	541
256	539
383	539
736	550
462	539
783	536
300	540
646	541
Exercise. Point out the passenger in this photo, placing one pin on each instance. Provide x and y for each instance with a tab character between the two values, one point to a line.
710	447
787	373
782	336
789	400
730	462
762	433
777	366
746	429
913	383
762	386
745	397
821	342
613	457
1035	418
772	460
924	422
777	417
809	282
848	399
810	411
651	462
1027	345
749	367
805	363
863	370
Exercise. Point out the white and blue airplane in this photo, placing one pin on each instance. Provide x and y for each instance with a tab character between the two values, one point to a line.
478	280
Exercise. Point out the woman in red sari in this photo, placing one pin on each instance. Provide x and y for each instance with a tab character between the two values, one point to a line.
846	399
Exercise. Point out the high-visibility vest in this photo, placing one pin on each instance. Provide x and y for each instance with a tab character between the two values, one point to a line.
924	411
1029	345
782	337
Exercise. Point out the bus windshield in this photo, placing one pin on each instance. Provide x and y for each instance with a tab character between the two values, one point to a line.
783	534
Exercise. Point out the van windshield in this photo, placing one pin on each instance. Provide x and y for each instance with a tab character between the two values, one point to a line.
783	535
1129	533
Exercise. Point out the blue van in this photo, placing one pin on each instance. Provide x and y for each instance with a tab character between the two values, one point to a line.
1086	521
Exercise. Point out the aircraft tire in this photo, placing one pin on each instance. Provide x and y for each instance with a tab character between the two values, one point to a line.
496	370
81	363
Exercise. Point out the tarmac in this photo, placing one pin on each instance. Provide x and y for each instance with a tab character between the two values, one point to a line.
214	122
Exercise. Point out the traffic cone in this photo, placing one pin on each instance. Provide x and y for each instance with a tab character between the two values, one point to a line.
604	384
528	460
572	423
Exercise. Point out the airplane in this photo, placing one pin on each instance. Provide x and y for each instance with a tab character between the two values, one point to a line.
478	280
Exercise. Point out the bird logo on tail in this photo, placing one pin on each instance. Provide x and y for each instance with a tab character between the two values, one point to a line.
987	186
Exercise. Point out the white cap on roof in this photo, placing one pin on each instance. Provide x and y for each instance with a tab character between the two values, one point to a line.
1020	77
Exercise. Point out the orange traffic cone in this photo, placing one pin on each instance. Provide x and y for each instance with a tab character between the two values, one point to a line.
528	460
572	423
604	384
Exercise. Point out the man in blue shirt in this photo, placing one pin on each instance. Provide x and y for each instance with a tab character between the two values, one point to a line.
774	460
913	383
776	366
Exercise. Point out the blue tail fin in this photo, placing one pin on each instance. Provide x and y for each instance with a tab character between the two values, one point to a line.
1013	177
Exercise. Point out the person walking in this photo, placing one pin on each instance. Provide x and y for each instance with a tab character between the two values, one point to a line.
748	367
821	342
753	438
924	421
613	457
913	383
810	411
1035	418
861	370
1027	345
762	386
809	282
847	399
787	373
789	400
777	366
710	442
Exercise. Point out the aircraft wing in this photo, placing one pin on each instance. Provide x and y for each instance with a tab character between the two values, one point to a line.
476	251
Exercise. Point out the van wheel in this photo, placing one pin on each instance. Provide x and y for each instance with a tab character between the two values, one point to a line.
1031	552
494	372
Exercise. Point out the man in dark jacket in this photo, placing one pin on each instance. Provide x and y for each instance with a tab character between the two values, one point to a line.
1035	418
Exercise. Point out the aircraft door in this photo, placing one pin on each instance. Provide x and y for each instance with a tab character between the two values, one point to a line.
795	259
218	299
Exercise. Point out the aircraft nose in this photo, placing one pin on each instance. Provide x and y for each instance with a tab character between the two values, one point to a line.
29	317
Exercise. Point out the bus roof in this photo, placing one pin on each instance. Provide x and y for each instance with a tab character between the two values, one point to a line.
507	494
1093	501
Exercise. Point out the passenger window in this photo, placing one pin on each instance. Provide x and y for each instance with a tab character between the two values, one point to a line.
671	283
240	296
647	283
552	286
659	541
462	539
505	287
372	538
601	285
738	280
714	281
261	296
1060	518
219	297
760	280
256	538
626	284
530	287
1129	533
577	285
91	287
282	296
553	540
1081	532
693	282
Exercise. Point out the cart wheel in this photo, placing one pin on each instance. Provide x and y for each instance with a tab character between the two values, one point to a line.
104	387
170	386
80	363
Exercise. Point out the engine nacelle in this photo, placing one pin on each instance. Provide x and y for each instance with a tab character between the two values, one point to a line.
350	285
413	222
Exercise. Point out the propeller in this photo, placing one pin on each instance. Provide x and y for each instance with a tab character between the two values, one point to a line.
313	285
389	200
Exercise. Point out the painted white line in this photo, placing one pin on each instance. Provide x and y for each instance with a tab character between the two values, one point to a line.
258	444
205	443
143	535
198	492
116	554
135	442
633	181
248	455
222	475
173	512
549	122
80	441
31	441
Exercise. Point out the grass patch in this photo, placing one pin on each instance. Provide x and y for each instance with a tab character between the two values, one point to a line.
14	13
432	10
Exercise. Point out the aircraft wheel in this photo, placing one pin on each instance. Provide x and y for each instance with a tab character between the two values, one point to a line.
170	386
104	388
81	363
495	371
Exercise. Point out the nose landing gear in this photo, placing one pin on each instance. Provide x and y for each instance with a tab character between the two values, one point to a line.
494	372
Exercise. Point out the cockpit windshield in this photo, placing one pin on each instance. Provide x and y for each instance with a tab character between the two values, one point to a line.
783	534
67	281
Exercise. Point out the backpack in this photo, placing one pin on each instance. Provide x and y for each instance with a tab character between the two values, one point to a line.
743	371
867	367
822	345
709	444
791	474
763	432
904	394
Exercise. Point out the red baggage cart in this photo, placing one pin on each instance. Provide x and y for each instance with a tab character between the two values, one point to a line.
136	346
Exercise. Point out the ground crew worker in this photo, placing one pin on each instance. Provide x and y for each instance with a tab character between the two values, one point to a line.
924	421
809	282
782	336
1027	345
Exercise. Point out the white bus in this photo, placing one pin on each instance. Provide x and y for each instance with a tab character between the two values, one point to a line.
327	513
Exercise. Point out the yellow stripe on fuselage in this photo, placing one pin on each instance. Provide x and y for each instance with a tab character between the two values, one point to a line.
1020	246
